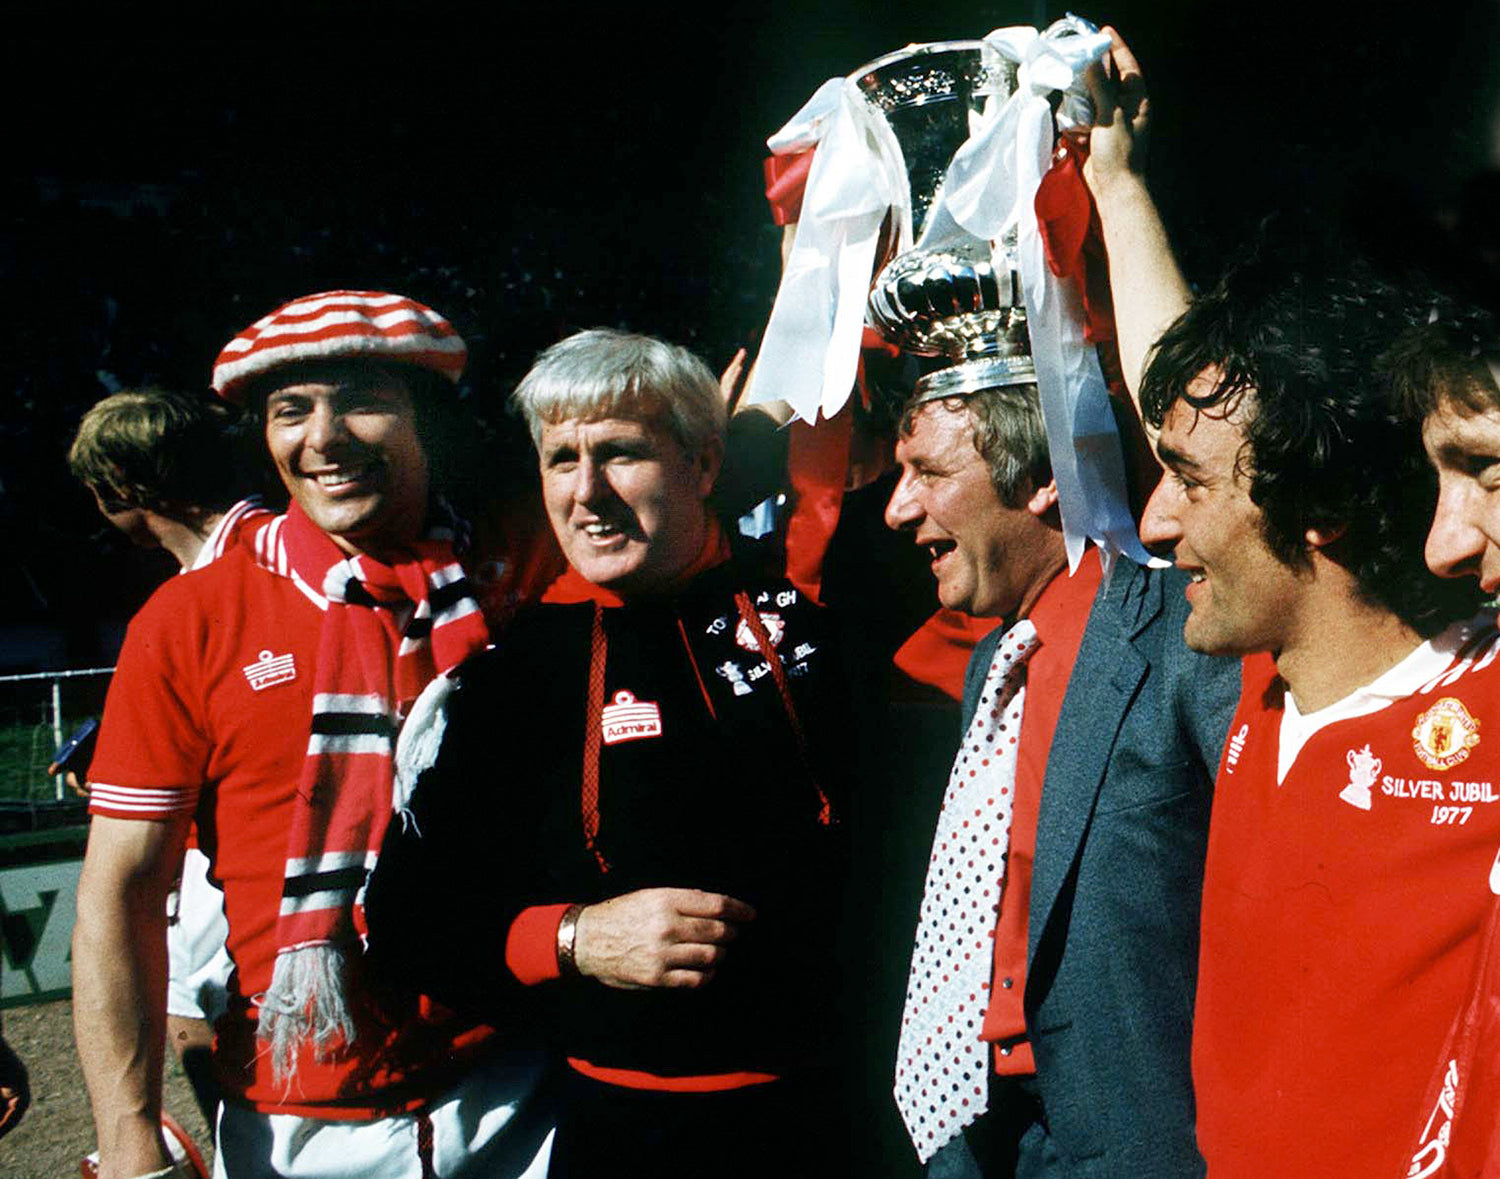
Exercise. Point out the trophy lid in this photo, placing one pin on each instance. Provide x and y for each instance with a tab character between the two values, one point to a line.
911	76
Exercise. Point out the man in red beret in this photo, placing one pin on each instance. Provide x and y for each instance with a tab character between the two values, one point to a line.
262	696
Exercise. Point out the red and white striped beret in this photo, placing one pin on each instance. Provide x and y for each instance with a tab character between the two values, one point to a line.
339	325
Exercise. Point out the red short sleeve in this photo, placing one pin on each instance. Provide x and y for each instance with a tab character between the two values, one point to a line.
152	755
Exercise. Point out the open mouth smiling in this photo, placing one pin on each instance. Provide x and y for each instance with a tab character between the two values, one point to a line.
938	549
604	532
345	476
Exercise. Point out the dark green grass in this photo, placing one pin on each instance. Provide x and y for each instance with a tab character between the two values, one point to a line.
25	751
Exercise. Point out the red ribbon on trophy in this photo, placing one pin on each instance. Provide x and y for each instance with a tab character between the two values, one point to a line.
1073	238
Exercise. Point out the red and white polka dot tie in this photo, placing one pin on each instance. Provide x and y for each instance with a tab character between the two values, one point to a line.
941	1063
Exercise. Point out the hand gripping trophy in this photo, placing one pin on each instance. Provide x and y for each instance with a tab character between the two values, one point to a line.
925	176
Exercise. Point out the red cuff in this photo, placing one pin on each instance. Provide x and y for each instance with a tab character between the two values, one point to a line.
531	944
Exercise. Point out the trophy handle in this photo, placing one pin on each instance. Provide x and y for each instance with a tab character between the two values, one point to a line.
885	245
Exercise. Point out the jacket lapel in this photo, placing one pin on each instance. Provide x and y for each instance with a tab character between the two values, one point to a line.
1105	679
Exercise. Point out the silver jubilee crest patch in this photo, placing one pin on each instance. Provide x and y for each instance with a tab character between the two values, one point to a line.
1364	771
270	670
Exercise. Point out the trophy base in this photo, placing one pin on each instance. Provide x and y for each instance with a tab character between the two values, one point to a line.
974	376
1356	796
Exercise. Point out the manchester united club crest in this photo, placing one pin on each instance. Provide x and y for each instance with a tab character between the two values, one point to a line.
1445	734
775	630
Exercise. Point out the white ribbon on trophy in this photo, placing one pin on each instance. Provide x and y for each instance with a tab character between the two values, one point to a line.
810	352
805	129
991	185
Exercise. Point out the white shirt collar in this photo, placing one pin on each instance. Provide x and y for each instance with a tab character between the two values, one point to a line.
213	544
1425	662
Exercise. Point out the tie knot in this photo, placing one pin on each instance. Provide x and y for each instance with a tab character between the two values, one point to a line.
1016	645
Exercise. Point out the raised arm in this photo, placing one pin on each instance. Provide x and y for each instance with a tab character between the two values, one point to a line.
1148	287
119	985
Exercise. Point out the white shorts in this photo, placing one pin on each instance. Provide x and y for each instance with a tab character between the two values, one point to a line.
198	965
495	1124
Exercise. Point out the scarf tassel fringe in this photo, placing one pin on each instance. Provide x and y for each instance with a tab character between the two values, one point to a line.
304	1004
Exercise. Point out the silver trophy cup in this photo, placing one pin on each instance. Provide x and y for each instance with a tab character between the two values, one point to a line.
960	300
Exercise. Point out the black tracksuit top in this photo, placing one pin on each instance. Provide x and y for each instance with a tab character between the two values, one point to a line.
723	798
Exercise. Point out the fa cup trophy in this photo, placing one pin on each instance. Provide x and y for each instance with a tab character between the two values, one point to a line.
953	294
924	179
960	299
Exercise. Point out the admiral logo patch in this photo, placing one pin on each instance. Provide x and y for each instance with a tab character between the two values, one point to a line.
270	670
629	719
1236	747
775	631
1432	1151
1445	734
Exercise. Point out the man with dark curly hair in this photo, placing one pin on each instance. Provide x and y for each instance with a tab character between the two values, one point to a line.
1447	375
1356	812
1279	369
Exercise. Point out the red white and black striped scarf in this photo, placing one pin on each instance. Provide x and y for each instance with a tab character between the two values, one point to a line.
387	631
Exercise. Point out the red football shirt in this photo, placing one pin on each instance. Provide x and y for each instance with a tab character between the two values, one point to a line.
208	713
1341	917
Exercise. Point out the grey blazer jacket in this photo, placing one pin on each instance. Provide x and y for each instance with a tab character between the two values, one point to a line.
1113	955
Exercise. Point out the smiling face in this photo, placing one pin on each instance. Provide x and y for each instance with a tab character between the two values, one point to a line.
346	447
1243	597
1464	446
990	559
627	501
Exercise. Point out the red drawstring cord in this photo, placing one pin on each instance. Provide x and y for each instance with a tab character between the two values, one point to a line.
424	1145
593	733
778	673
593	728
